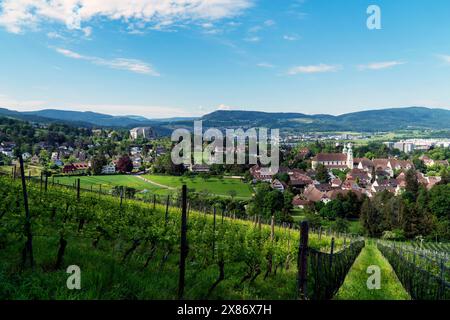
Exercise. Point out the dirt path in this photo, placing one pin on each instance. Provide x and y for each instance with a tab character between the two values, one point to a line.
155	183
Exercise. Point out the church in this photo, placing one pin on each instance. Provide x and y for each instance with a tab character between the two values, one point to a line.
339	161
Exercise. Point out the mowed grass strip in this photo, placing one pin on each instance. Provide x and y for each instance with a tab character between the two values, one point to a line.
355	284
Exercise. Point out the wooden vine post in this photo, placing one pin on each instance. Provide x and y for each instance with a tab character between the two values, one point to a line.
166	218
331	252
214	232
78	189
27	253
183	242
302	261
121	196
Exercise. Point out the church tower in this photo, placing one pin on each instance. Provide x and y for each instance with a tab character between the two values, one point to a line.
344	151
349	156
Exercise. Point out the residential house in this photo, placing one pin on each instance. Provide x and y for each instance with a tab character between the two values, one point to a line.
262	174
299	202
360	176
109	168
363	164
279	185
145	132
137	162
76	168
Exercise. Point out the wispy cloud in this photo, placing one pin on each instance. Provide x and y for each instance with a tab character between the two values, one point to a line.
444	57
269	23
291	37
132	65
55	35
320	68
265	65
19	15
252	39
11	102
380	65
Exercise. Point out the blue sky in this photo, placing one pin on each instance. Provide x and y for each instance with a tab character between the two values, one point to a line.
160	58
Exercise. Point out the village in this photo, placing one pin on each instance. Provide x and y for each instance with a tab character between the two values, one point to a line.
363	176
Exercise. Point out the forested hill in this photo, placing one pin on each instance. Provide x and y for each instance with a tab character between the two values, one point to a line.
373	120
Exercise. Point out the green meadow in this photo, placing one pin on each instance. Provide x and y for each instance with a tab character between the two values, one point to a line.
161	184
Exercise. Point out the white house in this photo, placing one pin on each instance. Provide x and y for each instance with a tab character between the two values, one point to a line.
109	169
145	132
278	185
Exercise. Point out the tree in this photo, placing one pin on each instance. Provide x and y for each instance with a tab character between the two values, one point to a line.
371	219
71	160
341	225
124	164
412	185
322	174
97	163
44	157
164	164
439	201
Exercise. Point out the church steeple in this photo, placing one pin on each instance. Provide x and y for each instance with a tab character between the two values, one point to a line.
349	156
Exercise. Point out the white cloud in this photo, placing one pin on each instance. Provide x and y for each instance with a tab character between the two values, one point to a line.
265	65
9	102
252	39
113	109
320	68
132	65
445	58
380	65
87	32
148	111
290	37
19	15
255	29
225	107
54	35
269	23
207	25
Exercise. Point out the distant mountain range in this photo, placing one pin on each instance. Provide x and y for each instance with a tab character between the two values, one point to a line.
372	120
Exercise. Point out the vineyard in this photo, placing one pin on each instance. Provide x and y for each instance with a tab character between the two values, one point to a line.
128	249
423	270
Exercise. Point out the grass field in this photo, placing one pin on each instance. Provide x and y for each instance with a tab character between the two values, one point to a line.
162	184
355	284
216	186
29	169
108	182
